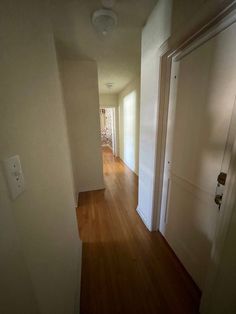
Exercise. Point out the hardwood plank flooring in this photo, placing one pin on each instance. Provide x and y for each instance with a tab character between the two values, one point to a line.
126	268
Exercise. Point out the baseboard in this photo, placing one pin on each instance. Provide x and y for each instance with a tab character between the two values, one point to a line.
144	219
94	188
122	161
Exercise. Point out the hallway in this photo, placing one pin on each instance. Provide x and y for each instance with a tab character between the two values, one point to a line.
125	268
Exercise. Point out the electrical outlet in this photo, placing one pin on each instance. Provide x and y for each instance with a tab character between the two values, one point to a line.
14	174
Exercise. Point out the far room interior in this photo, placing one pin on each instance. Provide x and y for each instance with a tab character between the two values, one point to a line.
120	120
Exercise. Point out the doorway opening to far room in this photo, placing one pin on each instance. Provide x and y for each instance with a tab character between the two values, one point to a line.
108	128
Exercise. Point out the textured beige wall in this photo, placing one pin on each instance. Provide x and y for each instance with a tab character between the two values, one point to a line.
39	244
156	31
108	100
80	86
132	86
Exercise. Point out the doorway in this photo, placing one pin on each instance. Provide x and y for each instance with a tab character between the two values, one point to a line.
200	136
108	128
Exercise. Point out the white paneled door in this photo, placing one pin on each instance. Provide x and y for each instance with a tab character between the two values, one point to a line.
201	129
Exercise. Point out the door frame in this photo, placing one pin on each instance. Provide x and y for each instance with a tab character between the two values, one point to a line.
114	128
167	52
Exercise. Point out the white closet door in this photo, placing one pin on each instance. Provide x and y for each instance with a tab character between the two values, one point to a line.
198	148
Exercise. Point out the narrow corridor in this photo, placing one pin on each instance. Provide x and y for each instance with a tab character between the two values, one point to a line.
125	268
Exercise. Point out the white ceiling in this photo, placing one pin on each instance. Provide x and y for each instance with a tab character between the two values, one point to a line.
118	54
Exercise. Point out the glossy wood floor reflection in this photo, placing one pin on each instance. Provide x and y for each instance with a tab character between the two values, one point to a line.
125	268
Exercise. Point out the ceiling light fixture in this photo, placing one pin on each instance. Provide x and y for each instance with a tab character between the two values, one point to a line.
109	85
104	21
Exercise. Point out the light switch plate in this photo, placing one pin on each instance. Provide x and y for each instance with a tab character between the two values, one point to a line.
14	174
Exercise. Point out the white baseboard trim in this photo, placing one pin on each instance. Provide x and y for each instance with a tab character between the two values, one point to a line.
144	219
93	188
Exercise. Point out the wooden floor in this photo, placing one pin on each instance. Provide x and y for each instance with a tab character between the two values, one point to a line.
125	268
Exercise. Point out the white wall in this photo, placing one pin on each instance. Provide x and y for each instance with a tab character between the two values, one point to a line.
80	86
132	86
219	294
108	100
223	292
16	286
39	244
155	32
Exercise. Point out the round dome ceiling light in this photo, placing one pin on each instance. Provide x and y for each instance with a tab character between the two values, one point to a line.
104	21
109	85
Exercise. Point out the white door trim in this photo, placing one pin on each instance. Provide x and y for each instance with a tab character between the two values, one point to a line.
210	33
